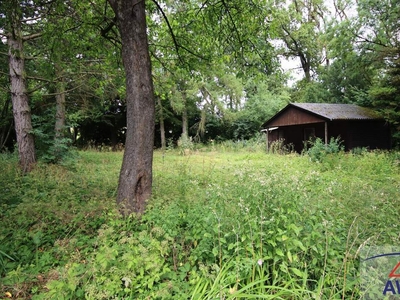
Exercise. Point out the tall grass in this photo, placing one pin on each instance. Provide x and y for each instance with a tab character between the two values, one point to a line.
222	224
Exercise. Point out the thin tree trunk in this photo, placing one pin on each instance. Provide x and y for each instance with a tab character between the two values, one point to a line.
19	97
6	126
185	123
60	106
135	180
113	135
5	135
162	126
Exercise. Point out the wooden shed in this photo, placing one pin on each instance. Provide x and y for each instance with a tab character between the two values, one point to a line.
355	125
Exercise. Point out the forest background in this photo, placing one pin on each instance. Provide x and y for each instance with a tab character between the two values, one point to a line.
219	67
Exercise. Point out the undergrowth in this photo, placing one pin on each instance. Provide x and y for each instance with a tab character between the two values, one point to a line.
220	225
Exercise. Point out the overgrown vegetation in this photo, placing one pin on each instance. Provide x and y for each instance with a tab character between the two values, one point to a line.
225	222
318	150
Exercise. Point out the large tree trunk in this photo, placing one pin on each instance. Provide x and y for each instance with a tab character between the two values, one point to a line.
135	180
19	97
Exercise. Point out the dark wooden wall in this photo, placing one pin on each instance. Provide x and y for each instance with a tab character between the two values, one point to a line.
294	116
372	134
295	134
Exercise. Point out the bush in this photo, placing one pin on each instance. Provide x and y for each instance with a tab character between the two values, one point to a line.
279	147
359	151
185	144
319	150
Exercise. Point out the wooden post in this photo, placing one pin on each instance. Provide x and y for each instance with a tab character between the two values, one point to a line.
267	140
326	133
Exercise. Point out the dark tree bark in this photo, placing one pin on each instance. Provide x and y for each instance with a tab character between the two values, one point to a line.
19	97
295	49
135	180
6	125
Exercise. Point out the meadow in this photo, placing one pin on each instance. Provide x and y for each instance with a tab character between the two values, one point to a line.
224	222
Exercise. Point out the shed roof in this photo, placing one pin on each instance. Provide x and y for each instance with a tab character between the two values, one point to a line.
319	112
338	111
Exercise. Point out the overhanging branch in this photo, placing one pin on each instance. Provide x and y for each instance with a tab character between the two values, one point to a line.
170	30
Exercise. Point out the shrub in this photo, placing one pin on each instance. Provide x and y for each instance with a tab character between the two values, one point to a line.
359	151
185	144
319	150
280	147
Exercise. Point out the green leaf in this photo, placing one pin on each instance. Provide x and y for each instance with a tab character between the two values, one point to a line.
297	272
289	255
215	251
279	252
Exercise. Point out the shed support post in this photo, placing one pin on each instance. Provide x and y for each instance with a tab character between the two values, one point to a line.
267	140
326	133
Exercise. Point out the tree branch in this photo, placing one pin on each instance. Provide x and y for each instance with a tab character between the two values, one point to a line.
109	27
366	40
233	23
170	30
32	36
31	19
64	92
39	79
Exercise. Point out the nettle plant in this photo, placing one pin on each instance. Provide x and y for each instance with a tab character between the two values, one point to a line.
124	264
318	150
275	248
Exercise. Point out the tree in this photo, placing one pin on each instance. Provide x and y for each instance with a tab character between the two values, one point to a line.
299	26
81	72
211	49
379	36
385	94
135	180
15	14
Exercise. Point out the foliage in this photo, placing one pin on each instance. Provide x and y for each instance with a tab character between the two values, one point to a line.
280	147
227	221
263	101
220	66
48	148
385	95
318	150
185	144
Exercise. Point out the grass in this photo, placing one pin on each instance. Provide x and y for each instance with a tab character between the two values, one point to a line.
223	223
